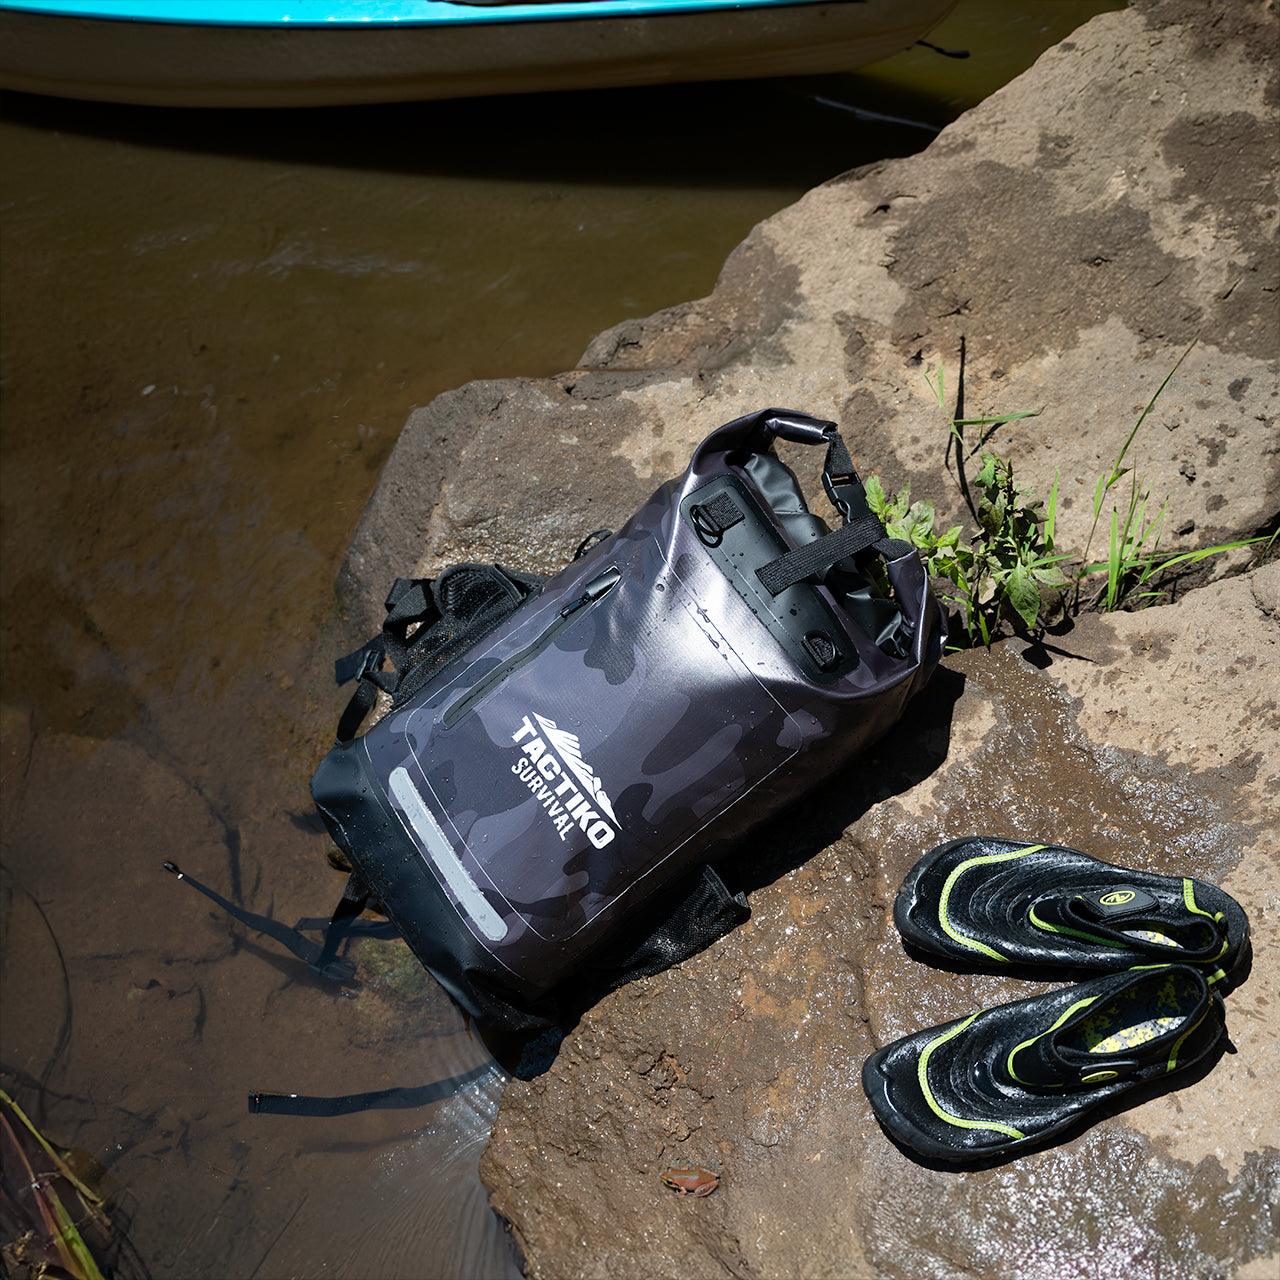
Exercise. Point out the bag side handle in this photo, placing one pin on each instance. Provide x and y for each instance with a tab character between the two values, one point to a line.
799	428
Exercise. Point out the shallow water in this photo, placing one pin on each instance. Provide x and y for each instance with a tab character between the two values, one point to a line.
213	327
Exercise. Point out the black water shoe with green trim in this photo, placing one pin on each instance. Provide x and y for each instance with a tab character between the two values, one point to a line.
996	1082
1001	903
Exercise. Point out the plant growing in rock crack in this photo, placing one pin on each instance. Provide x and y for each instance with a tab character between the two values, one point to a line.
1134	562
995	577
1011	571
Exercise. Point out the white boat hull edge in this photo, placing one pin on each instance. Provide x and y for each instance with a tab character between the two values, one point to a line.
189	64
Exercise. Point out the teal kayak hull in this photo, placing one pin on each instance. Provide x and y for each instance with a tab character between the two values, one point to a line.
254	53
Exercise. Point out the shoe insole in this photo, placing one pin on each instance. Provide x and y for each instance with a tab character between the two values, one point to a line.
1136	1016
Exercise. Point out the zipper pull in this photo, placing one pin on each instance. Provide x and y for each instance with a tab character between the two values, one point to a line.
596	588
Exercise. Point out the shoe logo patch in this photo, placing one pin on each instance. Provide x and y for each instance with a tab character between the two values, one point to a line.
552	767
1117	898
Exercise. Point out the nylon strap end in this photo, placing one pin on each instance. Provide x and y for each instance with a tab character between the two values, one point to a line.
358	664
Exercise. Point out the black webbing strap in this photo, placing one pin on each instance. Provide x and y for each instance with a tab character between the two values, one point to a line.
301	1104
409	601
838	461
861	531
428	621
816	557
380	929
840	480
355	895
366	691
320	956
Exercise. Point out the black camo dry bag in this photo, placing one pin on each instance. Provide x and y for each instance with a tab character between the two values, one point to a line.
563	758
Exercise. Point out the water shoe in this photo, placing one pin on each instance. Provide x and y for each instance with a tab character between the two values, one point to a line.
989	1085
998	903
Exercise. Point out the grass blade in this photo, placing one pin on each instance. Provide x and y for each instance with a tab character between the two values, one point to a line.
1051	512
1151	404
1113	561
1203	553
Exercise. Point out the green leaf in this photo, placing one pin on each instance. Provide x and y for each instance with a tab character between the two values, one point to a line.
1099	491
1203	553
938	386
1020	589
874	490
998	420
1151	404
1113	562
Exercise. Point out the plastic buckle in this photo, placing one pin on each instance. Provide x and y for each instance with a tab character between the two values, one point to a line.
847	495
358	664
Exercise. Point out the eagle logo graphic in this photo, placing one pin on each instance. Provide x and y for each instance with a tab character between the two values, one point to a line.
569	749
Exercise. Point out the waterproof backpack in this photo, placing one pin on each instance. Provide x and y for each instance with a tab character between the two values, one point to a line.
565	763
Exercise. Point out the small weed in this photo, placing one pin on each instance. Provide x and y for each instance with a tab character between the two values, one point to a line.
996	576
1133	558
936	380
1011	570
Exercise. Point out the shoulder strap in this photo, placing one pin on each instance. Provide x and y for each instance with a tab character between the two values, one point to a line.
321	956
428	622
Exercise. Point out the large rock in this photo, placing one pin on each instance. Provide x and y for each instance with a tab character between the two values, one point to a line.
746	1059
1078	230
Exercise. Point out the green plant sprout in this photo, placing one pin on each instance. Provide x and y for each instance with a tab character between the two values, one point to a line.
1133	545
1011	570
996	576
936	382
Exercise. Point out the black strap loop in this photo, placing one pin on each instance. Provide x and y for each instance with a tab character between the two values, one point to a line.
712	520
816	557
428	621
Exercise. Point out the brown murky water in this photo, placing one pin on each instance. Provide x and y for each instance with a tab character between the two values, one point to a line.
213	328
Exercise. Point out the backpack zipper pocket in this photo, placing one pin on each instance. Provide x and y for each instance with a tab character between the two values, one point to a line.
594	591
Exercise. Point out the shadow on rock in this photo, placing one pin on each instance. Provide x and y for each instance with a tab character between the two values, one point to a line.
913	749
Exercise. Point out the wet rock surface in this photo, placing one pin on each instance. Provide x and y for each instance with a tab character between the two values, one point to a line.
1078	232
745	1060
